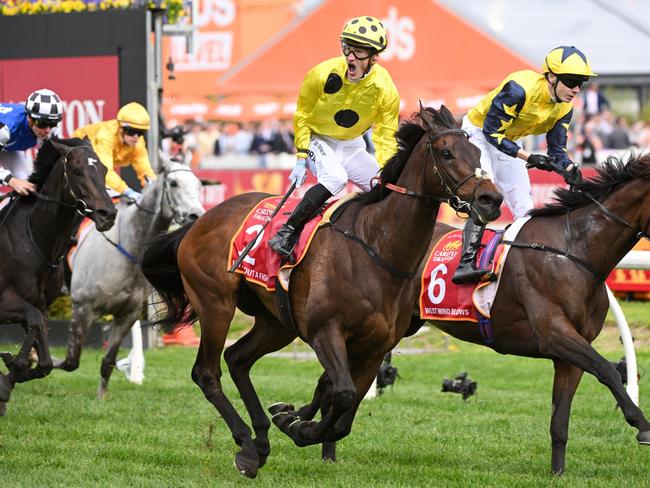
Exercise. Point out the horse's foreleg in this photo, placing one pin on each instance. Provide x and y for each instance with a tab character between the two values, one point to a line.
82	318
267	335
44	365
330	347
565	383
121	328
574	349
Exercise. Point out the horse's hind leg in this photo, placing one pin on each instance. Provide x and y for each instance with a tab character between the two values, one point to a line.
565	383
119	331
82	318
267	335
44	365
574	349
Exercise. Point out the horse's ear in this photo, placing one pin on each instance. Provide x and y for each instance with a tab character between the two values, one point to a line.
59	146
165	161
447	115
427	118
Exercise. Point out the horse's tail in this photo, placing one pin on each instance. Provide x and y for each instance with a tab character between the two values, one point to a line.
160	267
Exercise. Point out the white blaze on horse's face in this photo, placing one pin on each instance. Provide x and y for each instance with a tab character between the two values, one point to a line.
91	162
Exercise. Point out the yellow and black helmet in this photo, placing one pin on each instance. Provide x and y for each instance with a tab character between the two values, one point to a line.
567	60
366	32
134	115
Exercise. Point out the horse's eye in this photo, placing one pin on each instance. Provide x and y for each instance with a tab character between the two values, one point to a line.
77	172
446	153
173	183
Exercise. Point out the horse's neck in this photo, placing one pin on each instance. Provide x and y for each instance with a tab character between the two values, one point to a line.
51	226
140	223
400	227
602	241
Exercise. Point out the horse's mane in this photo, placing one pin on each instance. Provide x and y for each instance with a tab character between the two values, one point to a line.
48	155
408	135
613	173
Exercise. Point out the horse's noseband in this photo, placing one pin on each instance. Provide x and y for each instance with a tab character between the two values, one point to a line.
451	187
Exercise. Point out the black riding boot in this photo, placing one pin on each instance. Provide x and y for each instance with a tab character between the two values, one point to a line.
287	236
467	271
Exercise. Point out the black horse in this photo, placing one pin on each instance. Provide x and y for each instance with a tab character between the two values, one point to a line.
34	234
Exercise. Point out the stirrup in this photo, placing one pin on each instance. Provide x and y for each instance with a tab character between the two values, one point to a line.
473	275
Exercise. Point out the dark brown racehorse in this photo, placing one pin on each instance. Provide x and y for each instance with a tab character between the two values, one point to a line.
551	303
345	303
34	234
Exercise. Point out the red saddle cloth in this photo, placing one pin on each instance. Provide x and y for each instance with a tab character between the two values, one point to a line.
262	264
439	297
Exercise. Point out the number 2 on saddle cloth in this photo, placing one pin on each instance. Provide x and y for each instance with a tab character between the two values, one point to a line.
262	264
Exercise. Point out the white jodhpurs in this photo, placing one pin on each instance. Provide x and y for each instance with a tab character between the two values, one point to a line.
334	162
17	163
509	174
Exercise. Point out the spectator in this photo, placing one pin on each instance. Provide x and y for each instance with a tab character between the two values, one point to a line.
619	138
589	143
595	101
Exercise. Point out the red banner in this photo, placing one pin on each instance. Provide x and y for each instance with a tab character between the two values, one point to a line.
87	85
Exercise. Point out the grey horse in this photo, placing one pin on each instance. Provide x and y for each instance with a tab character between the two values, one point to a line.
106	275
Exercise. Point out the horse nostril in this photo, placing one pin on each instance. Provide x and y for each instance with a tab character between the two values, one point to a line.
193	217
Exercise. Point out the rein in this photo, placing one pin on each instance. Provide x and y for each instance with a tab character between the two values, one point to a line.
119	246
165	193
453	200
584	264
79	205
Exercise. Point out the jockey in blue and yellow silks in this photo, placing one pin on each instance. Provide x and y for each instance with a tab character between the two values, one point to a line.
339	100
525	103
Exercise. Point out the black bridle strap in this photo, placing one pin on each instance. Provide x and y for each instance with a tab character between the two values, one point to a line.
639	233
405	275
543	247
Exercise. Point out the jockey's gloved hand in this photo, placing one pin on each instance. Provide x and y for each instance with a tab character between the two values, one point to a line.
133	195
572	175
299	173
540	161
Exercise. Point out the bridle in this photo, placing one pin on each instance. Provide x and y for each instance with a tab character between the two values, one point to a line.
639	234
79	205
166	197
450	186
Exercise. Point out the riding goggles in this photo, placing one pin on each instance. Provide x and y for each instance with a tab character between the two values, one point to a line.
43	124
130	131
359	53
571	81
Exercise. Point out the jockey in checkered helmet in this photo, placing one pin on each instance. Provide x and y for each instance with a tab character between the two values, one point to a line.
21	127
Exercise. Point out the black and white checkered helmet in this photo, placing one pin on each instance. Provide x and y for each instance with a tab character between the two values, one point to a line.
44	104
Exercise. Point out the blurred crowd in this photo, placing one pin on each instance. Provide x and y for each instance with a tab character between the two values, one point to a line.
595	133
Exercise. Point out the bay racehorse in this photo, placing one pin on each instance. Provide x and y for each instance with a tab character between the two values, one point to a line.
35	231
346	304
551	302
106	275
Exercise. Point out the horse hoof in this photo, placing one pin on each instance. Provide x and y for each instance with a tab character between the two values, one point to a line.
644	438
7	358
245	467
5	391
280	407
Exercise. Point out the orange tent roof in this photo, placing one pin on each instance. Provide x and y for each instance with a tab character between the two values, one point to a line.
432	52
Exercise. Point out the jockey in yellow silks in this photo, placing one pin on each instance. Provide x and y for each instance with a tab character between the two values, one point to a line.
525	103
339	100
120	142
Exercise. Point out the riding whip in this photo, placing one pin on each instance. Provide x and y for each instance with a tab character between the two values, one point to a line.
250	245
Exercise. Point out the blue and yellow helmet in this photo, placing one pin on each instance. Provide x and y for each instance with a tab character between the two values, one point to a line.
567	60
366	32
